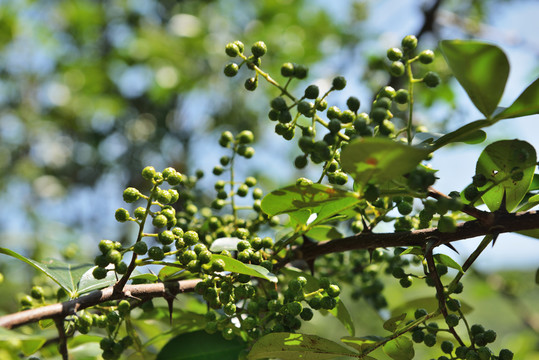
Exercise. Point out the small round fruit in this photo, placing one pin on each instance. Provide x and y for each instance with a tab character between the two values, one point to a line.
259	49
231	69
409	42
339	83
426	56
397	68
431	79
394	54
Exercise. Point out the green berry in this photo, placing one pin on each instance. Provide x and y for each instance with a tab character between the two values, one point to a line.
311	92
267	242
140	248
431	79
334	113
306	314
453	304
131	195
353	103
251	83
334	126
226	138
242	190
245	137
426	56
505	354
447	346
218	265
306	108
394	54
114	257
333	290
347	116
279	104
419	313
99	273
231	69
287	69
452	320
148	172
418	336
166	237
406	282
371	193
471	192
479	180
121	215
402	96
328	303
123	307
160	221
259	49
409	42
106	245
232	50
300	71
217	170
430	339
490	336
190	237
397	68
405	208
37	292
156	253
339	83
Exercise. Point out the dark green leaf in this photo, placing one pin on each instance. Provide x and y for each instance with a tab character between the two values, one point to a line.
447	261
482	70
401	348
532	202
323	232
315	198
65	275
201	346
531	233
236	266
474	137
183	321
392	323
526	104
379	159
29	343
287	346
498	162
468	131
341	313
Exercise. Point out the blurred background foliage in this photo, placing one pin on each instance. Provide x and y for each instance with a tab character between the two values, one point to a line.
92	91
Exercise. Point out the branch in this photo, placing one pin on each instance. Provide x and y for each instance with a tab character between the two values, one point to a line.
61	310
504	222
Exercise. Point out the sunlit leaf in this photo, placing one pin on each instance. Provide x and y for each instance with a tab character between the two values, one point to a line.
447	261
343	315
201	346
482	70
526	104
287	346
236	266
363	343
224	243
65	275
400	348
379	159
509	166
324	232
315	198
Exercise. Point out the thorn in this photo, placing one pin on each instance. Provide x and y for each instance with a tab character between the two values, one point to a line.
449	245
371	251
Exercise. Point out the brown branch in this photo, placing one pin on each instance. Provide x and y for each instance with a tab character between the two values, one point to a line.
61	310
508	222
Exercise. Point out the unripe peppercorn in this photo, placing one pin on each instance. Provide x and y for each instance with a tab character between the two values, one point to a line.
148	172
287	69
306	108
131	195
397	68
300	71
159	221
404	208
447	224
479	180
426	56
190	237
167	172
259	49
156	253
250	181
347	116
245	137
251	83
311	92
99	273
409	42
402	96
279	104
231	69
452	320
232	49
339	83
226	138
431	79
394	54
140	248
353	103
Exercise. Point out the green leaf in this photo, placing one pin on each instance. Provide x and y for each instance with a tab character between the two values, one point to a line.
343	315
532	202
88	283
498	162
526	104
473	137
468	131
65	275
236	266
201	346
447	261
482	70
224	243
184	322
534	233
401	348
169	273
363	343
323	232
393	323
315	198
379	159
288	346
